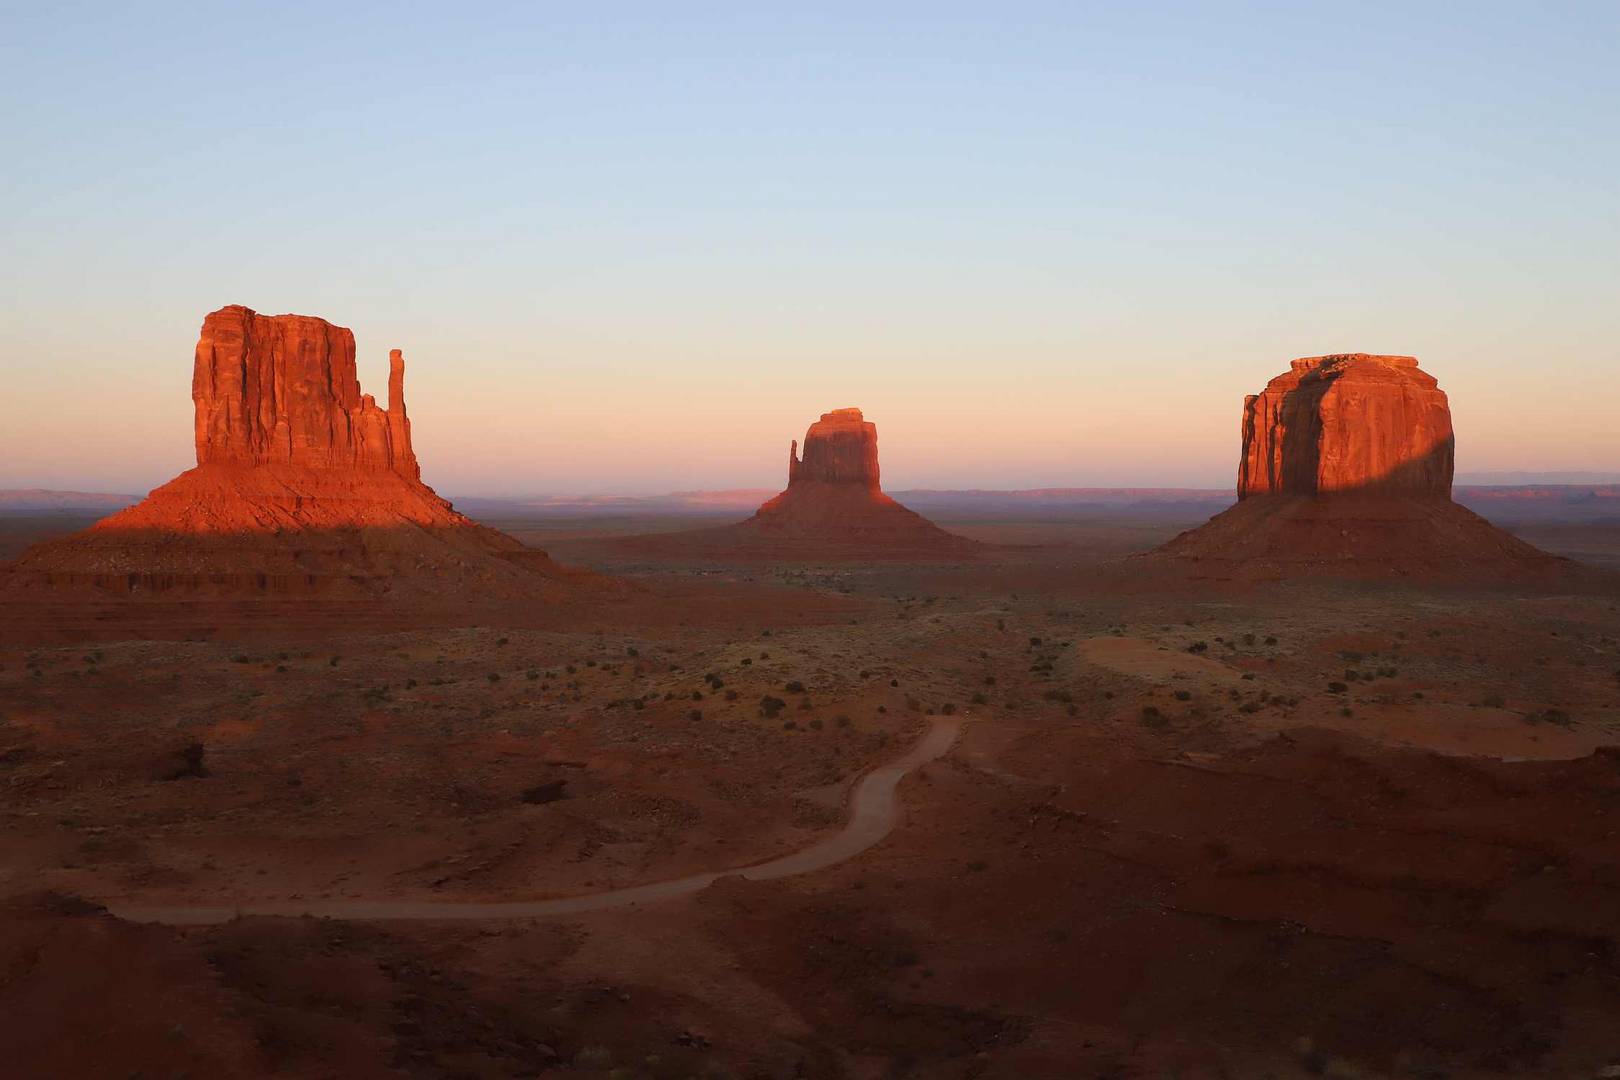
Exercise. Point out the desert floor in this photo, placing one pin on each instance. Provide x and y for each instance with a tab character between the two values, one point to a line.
1187	829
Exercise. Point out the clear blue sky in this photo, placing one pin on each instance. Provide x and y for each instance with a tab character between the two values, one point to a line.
640	247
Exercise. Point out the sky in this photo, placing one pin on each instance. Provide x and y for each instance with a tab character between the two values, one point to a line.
640	247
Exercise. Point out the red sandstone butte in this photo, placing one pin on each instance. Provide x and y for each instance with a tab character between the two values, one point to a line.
840	448
302	482
834	500
1346	470
1348	422
282	390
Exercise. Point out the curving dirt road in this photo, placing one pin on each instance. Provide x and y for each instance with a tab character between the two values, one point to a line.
874	810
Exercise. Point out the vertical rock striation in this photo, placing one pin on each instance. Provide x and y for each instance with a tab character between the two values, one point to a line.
282	390
1348	422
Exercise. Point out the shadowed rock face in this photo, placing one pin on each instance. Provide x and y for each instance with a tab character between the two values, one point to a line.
840	448
1349	422
282	390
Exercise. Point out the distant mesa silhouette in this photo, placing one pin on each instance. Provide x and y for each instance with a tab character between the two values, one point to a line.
1346	470
302	484
833	507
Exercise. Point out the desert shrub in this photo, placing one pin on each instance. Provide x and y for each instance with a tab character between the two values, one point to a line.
816	724
1198	647
1152	717
1183	695
1271	640
790	725
631	650
794	686
1337	688
1493	701
731	695
769	706
948	709
1062	696
980	699
494	677
842	720
695	715
500	641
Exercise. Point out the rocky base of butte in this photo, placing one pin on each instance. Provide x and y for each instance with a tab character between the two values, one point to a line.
302	484
1346	470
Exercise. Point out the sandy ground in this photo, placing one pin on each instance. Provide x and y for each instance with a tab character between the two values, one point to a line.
1290	831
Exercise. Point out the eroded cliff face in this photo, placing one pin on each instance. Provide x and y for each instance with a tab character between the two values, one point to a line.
840	448
1348	422
303	485
282	390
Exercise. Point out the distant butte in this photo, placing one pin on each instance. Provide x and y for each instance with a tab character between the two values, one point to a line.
1346	470
833	507
302	484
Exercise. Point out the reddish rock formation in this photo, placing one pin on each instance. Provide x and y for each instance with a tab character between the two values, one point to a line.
282	390
832	507
840	448
1348	422
302	483
1346	470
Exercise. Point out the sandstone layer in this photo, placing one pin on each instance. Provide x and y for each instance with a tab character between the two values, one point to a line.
303	484
1348	422
1346	471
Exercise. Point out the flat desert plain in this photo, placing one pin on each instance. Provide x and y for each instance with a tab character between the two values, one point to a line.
1168	826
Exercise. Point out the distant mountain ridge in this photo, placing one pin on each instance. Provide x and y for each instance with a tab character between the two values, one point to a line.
1521	501
23	500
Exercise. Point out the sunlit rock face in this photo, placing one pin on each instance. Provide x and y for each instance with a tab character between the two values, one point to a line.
303	483
1348	422
282	389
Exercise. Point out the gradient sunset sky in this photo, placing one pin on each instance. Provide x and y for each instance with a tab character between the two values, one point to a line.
640	247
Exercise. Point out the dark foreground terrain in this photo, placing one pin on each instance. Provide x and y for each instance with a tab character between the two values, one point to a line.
1188	829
